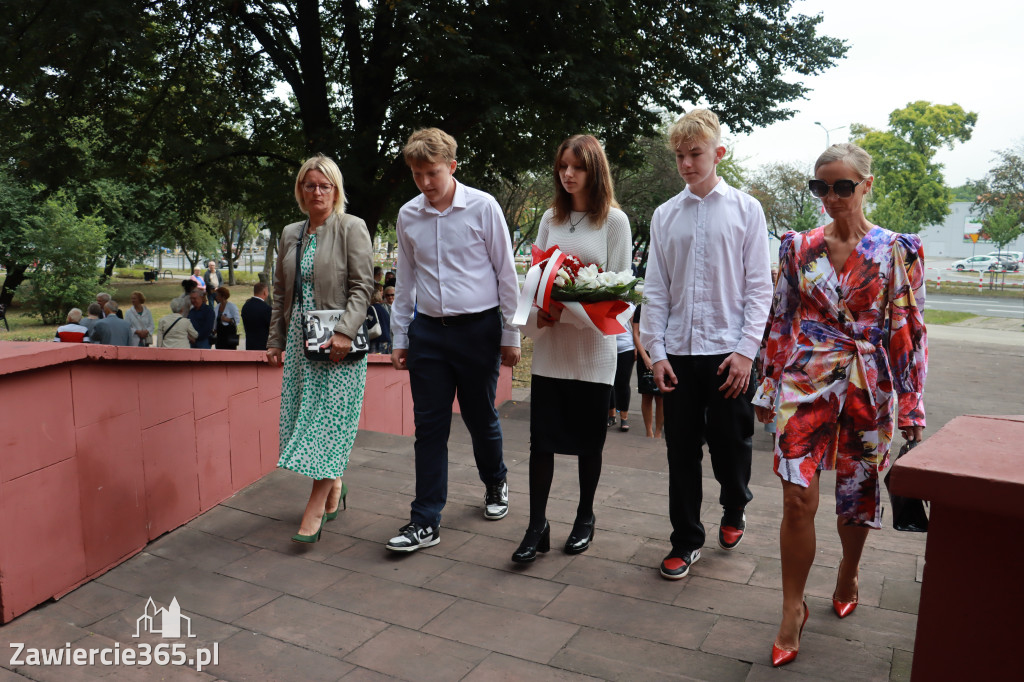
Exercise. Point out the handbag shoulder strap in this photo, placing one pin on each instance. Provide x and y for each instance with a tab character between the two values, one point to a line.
172	325
298	261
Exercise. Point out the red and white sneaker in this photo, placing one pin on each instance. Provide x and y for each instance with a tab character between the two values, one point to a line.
730	531
674	567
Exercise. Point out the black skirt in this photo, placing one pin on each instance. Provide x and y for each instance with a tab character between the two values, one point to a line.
568	417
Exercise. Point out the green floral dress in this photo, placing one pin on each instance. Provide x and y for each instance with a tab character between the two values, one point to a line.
320	401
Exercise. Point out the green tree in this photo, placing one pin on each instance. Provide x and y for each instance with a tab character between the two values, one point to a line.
509	78
67	249
782	190
1002	226
1005	183
970	190
15	250
909	191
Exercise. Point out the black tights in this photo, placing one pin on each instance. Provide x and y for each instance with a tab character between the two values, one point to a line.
542	471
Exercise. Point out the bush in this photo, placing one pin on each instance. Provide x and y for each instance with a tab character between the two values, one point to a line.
67	249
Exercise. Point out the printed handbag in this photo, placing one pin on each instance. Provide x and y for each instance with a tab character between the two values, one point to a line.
317	328
318	325
908	514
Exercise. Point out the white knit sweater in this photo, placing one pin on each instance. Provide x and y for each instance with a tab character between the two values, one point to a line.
564	351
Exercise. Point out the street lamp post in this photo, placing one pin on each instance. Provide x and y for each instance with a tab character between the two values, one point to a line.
828	142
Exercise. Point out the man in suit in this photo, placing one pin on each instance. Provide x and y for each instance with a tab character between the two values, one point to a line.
256	318
102	299
111	330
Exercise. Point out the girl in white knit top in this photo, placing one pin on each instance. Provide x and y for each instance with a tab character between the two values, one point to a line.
573	369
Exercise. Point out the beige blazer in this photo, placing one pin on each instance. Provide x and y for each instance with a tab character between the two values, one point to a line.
342	274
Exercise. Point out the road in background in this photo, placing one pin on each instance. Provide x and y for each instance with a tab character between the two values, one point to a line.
976	305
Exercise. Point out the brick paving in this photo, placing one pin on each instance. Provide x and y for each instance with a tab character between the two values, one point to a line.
345	608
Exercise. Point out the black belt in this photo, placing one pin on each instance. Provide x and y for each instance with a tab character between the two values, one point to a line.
454	320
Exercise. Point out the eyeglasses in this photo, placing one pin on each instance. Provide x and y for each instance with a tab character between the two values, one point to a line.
842	188
312	187
389	295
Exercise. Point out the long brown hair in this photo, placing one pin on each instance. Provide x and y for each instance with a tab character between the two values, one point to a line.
600	192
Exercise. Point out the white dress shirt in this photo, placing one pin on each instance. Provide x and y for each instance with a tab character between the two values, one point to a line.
708	283
454	263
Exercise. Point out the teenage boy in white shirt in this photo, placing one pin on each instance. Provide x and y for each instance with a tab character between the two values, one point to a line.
456	291
709	291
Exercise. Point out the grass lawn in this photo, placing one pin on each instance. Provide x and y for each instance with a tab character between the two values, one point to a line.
945	316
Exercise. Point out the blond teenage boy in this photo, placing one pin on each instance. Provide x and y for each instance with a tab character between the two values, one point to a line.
709	290
455	267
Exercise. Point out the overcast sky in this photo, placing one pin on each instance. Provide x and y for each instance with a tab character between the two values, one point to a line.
900	51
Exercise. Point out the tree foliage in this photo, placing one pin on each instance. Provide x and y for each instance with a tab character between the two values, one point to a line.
1001	199
508	79
782	190
909	191
67	249
181	108
1001	226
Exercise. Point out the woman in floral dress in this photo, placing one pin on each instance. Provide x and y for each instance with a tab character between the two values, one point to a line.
844	360
320	401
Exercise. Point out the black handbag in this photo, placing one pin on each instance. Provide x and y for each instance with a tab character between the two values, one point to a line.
645	384
908	514
318	325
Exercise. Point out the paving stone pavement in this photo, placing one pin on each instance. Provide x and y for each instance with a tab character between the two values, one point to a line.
345	608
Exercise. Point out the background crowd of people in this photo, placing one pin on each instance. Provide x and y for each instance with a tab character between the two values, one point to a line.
198	318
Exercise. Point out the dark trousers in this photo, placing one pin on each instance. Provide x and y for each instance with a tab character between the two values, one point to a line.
623	373
696	410
448	360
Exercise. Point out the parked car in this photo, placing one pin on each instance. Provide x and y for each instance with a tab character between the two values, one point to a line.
979	263
1009	262
1016	255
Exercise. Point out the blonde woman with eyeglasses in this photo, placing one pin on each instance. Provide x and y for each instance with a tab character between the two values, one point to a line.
320	401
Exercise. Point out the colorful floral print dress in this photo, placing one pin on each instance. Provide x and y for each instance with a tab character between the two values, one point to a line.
320	401
844	354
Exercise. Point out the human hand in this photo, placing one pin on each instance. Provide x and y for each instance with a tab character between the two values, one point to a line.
912	433
398	358
547	318
274	356
738	368
765	415
664	377
510	355
339	345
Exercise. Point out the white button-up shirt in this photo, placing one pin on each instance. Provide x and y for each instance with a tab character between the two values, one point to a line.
708	284
454	263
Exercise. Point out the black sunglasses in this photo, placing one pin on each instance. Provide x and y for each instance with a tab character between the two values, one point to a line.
842	188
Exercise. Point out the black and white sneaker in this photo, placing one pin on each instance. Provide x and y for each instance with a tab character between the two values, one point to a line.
413	536
496	501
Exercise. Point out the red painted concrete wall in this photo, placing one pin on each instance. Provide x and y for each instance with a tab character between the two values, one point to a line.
968	624
103	449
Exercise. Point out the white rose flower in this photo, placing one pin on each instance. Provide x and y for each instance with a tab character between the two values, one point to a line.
587	277
562	278
615	279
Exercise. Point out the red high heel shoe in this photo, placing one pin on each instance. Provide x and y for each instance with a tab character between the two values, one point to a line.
844	608
782	656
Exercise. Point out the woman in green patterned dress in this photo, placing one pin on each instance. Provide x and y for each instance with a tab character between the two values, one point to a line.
320	401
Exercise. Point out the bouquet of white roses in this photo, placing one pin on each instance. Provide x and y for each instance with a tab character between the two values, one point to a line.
594	299
575	281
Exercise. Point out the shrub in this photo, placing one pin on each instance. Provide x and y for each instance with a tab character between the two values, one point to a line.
67	248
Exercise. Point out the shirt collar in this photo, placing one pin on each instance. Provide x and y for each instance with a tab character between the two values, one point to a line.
721	187
458	201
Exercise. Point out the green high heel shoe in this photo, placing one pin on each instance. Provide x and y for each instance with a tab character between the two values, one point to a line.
310	539
342	504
